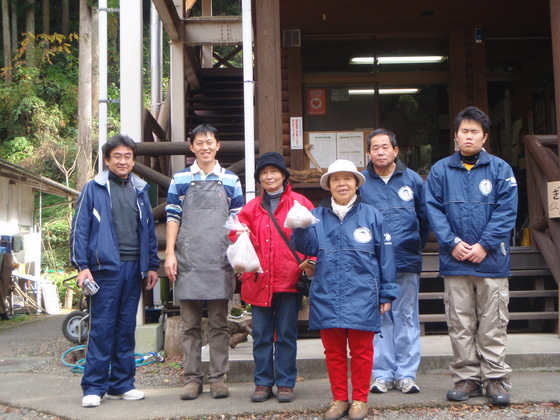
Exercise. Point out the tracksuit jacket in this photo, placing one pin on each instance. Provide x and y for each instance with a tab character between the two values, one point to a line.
401	202
476	206
355	269
93	243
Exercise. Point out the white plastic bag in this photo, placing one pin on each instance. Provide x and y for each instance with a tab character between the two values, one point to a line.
299	217
242	255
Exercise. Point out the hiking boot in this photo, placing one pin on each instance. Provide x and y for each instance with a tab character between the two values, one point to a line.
219	389
191	391
132	395
407	386
337	410
285	394
464	390
381	386
497	392
261	393
358	410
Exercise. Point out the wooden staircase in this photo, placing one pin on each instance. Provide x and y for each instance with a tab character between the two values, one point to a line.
219	102
533	294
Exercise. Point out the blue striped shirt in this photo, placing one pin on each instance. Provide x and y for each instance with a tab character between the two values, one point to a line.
182	180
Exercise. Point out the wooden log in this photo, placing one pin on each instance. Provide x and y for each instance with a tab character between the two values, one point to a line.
150	175
175	148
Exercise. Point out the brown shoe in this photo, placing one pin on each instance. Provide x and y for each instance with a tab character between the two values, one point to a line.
191	391
337	410
219	389
261	393
285	394
497	392
358	410
464	390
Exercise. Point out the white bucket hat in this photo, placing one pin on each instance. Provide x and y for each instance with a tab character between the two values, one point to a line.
342	165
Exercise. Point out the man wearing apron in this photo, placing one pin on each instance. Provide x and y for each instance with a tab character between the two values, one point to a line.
199	201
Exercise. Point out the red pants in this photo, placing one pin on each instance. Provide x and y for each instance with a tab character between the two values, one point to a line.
336	341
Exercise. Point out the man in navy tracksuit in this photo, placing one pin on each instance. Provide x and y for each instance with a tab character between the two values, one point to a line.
113	244
471	198
398	193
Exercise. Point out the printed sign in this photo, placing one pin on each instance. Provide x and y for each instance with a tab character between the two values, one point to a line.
316	102
553	199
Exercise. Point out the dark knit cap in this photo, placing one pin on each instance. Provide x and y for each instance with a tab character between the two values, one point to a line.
271	159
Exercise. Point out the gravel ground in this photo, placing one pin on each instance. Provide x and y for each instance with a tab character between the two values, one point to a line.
168	374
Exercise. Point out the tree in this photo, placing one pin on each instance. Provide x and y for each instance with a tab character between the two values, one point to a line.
85	171
7	41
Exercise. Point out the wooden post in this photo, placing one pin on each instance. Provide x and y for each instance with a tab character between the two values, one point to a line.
268	76
555	35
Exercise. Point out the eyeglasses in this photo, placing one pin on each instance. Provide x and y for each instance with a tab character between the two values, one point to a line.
118	156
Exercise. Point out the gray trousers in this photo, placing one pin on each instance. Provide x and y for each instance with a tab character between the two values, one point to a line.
477	319
218	339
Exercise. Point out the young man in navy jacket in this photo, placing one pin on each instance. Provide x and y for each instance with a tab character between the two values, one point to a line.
471	198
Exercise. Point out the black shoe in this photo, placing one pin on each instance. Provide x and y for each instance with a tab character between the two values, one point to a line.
464	390
497	392
4	317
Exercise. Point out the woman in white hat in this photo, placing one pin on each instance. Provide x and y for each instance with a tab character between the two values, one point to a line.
354	282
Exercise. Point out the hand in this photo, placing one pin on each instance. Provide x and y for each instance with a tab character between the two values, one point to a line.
384	307
151	279
308	268
240	231
476	254
171	266
461	251
82	275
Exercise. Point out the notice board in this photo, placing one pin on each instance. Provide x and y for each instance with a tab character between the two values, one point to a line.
328	146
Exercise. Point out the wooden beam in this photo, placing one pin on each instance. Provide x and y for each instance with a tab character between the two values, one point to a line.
149	174
170	19
295	104
165	148
267	75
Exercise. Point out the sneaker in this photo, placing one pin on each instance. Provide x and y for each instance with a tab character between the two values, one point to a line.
337	410
497	392
464	390
358	410
132	395
191	391
91	401
407	386
381	386
219	389
285	394
261	393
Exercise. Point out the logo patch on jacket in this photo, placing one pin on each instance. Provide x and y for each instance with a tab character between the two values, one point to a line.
485	186
362	235
388	238
405	193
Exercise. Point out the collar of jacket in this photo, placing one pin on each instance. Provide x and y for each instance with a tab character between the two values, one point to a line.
326	202
265	199
456	161
400	168
103	179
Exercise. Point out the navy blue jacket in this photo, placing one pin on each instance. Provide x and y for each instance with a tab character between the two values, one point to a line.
401	202
93	243
355	269
476	206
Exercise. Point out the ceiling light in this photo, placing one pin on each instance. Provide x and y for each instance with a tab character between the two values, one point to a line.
383	91
399	60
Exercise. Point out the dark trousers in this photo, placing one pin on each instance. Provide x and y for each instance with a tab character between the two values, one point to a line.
112	326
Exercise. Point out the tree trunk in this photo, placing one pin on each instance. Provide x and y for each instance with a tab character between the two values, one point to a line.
30	30
14	26
6	39
65	17
46	17
85	171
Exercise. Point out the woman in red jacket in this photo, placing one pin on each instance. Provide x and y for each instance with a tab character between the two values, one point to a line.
273	296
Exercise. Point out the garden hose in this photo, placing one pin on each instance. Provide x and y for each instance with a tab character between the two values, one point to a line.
78	367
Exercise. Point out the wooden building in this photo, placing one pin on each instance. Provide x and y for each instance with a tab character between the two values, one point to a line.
328	72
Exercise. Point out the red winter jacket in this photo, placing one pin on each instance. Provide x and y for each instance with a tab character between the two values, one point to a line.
281	270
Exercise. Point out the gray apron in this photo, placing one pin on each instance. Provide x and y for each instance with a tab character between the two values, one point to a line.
204	272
